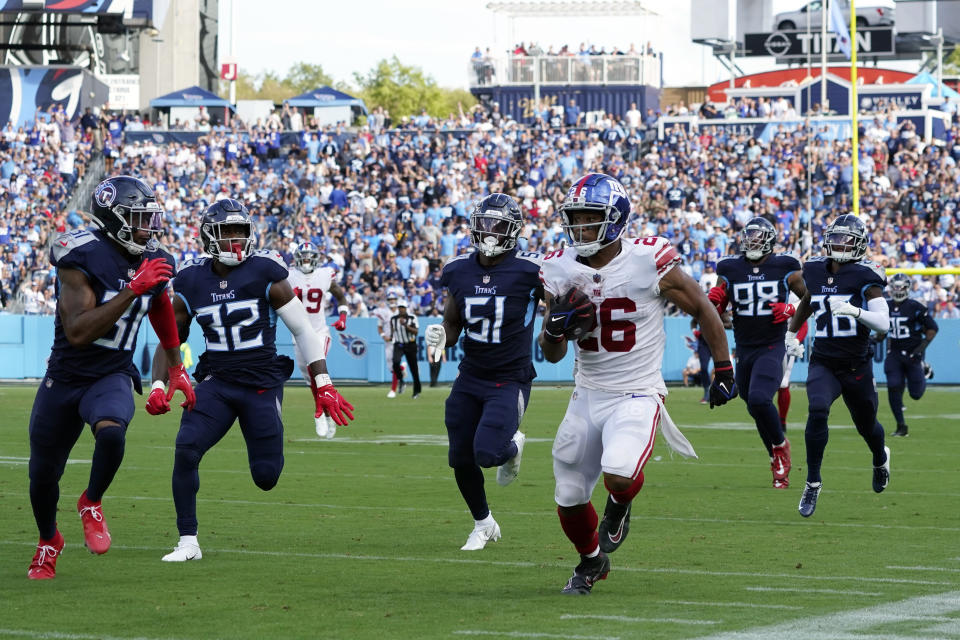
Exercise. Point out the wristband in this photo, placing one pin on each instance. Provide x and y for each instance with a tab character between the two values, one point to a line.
722	365
322	380
344	309
158	384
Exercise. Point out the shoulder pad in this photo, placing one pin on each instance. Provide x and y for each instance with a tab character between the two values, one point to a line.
194	262
790	260
727	258
879	271
816	260
70	241
270	255
531	256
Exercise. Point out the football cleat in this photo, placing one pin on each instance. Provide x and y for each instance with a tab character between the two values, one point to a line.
391	394
808	501
331	429
901	431
780	465
482	534
881	474
44	563
96	537
586	574
507	472
401	387
614	526
321	425
187	549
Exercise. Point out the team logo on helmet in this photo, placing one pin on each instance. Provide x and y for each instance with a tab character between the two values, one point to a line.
105	194
355	345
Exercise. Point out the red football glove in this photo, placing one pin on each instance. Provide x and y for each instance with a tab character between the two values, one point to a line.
180	380
158	402
718	296
341	324
330	402
150	274
782	311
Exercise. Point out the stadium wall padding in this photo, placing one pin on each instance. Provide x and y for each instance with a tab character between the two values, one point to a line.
358	352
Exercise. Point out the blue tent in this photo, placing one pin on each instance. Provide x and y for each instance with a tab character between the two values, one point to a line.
326	97
189	97
926	78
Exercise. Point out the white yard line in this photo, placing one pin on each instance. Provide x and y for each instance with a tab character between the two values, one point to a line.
843	592
528	634
571	616
59	635
747	605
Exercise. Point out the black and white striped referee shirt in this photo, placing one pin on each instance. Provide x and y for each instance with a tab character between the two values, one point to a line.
402	332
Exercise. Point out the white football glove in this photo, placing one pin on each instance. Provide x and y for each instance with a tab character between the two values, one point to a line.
844	309
436	337
794	347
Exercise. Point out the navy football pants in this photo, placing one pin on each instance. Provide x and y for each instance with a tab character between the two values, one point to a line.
219	404
759	372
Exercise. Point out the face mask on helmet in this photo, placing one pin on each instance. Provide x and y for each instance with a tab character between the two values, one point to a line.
493	233
756	242
606	199
306	258
230	242
842	246
586	230
899	287
125	208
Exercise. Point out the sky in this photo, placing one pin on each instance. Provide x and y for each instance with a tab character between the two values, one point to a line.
440	35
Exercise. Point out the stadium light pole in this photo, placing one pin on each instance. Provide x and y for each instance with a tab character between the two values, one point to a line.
824	105
233	31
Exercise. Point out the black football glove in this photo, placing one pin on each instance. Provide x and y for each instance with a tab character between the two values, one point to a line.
723	388
571	316
918	353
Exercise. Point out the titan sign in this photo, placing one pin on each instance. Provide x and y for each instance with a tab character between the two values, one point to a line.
800	44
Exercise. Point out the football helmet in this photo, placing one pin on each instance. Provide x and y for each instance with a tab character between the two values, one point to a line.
595	192
221	214
495	224
845	239
757	238
392	301
122	205
899	287
306	257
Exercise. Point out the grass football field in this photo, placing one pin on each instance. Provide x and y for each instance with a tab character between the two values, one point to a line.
361	537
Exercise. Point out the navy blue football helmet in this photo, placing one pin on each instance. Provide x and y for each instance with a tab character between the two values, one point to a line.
495	224
306	257
122	205
899	287
596	192
221	214
845	239
757	238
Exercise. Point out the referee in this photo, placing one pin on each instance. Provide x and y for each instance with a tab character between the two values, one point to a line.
404	328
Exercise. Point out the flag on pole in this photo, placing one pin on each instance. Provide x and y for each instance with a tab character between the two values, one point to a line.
840	28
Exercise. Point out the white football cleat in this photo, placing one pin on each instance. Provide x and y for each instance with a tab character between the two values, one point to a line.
321	424
186	549
507	472
331	428
392	394
483	532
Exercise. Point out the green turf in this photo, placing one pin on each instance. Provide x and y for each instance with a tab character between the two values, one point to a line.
361	537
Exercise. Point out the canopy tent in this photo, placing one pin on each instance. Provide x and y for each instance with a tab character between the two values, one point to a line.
329	105
189	97
925	78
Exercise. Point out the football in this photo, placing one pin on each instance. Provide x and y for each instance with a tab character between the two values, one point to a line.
581	314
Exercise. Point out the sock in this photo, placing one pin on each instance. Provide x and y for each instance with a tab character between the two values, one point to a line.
816	436
625	497
895	395
581	529
470	483
107	456
768	423
783	403
43	498
393	383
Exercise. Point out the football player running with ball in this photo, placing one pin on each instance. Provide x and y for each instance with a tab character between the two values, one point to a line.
311	283
845	297
493	298
606	294
758	284
235	295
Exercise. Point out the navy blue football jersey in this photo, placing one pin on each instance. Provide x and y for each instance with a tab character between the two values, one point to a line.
909	321
840	337
108	268
752	288
497	306
238	323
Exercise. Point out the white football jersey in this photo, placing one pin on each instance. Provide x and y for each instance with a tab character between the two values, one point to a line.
383	315
624	352
315	288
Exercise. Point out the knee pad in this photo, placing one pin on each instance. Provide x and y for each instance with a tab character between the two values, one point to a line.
916	395
114	437
186	458
460	457
568	494
265	475
571	440
487	459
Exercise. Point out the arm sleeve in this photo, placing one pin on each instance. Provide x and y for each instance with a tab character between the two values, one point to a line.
876	315
164	322
295	317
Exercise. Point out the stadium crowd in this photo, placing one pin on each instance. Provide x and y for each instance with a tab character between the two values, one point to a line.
389	204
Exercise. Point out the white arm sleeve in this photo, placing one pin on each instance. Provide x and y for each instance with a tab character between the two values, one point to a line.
876	315
295	317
